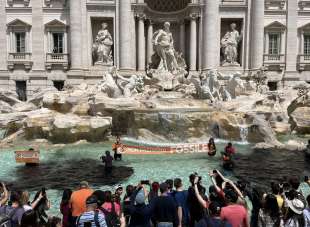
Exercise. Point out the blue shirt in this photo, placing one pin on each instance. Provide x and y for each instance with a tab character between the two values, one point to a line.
181	201
90	217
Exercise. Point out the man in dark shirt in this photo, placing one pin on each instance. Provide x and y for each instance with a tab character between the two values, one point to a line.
180	197
107	160
165	209
196	211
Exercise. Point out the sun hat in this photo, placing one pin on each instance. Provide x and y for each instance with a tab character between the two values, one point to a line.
296	205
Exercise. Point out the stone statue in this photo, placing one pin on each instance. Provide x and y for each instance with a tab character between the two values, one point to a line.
164	47
116	86
229	45
102	47
130	86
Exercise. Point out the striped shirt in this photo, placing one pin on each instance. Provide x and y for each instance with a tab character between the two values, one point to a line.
90	218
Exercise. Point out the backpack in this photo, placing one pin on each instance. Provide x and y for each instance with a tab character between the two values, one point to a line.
96	220
6	218
111	218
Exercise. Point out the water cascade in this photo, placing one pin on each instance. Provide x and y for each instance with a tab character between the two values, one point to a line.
244	131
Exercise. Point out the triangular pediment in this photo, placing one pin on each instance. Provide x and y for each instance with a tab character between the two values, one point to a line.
18	23
275	24
55	23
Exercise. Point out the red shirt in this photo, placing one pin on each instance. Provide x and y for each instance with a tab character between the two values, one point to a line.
236	215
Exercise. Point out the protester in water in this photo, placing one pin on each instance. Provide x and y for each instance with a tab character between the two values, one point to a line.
228	156
211	147
108	162
118	148
65	208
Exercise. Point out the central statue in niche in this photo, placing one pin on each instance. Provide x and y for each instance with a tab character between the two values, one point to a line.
229	45
167	64
164	47
102	47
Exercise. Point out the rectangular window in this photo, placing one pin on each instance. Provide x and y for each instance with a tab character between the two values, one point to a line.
307	44
58	43
20	42
274	44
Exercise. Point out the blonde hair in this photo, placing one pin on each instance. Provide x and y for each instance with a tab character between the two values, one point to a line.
24	198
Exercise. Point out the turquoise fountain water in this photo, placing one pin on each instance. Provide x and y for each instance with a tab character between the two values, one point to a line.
146	167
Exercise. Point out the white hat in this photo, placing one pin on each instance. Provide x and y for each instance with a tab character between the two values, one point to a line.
296	205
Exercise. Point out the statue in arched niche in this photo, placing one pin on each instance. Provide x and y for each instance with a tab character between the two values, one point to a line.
102	47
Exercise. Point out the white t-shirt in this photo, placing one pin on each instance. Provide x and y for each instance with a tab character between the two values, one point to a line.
27	207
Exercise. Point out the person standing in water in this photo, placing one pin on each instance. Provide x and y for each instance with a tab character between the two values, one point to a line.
108	162
118	147
211	147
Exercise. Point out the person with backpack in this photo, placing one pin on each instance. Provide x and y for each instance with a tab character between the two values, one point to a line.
92	217
11	215
214	220
111	210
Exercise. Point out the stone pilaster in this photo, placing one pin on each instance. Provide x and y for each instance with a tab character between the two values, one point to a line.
38	54
124	35
257	34
193	43
150	50
76	34
3	41
211	31
291	44
182	37
141	43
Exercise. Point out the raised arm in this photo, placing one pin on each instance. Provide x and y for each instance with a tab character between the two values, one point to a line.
198	196
5	195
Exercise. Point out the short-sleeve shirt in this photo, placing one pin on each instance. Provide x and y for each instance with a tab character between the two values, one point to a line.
181	201
90	217
17	214
78	201
235	214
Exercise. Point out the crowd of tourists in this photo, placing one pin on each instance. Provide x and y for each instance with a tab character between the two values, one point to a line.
163	204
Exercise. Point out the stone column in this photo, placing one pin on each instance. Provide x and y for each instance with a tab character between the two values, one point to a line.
193	43
211	31
3	38
38	55
257	34
141	43
124	35
150	42
291	36
182	37
75	35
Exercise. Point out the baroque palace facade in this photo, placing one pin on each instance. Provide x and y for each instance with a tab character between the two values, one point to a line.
46	43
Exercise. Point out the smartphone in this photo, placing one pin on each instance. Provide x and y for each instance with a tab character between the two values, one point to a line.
146	182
